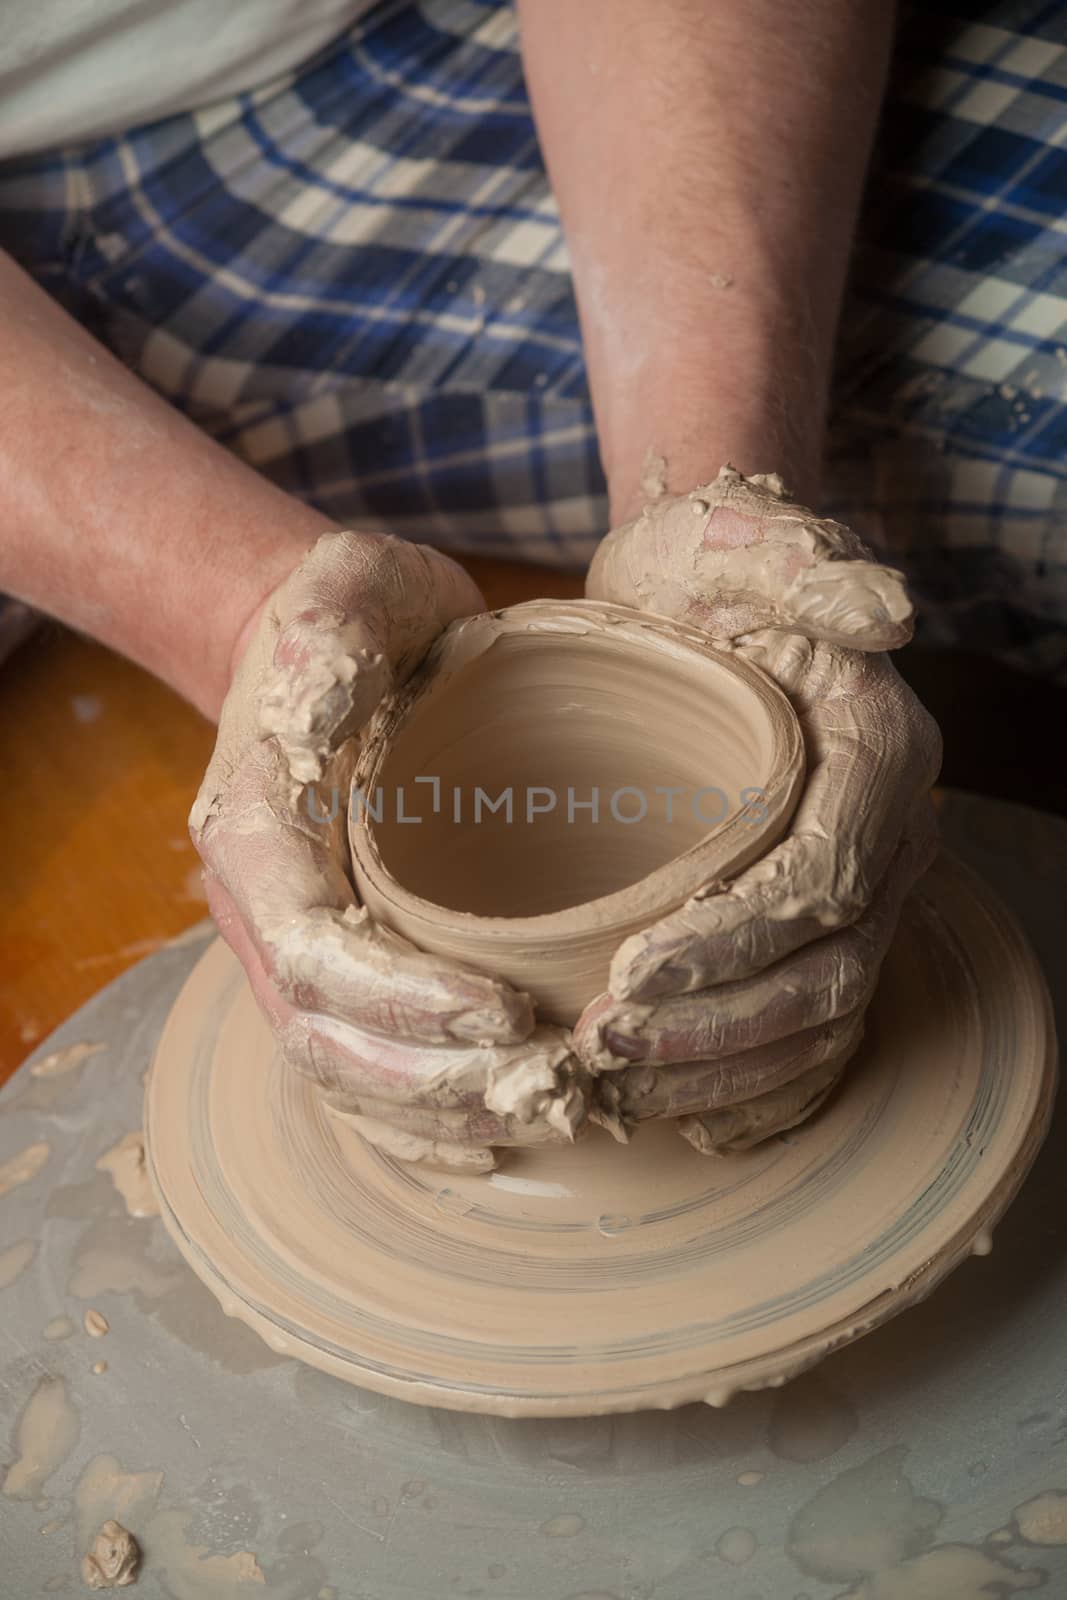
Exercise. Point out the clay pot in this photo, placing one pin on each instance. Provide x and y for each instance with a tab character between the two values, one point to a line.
587	715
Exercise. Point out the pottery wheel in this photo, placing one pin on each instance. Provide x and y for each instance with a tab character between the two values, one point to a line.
927	1459
601	1278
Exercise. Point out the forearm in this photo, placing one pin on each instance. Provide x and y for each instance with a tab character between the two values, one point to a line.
120	517
708	160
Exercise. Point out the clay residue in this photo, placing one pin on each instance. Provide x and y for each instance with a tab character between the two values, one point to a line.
949	1572
21	1168
866	1519
112	1560
809	1421
191	1571
125	1163
61	1061
563	1526
15	1259
105	1492
114	1256
736	1546
741	546
870	1529
60	1327
1043	1520
108	1261
45	1435
653	483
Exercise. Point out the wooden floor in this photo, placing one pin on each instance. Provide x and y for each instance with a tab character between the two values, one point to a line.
100	764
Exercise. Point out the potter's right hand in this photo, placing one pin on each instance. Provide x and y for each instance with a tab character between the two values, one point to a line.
421	1053
737	1012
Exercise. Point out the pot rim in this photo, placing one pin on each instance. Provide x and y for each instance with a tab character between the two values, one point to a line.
724	851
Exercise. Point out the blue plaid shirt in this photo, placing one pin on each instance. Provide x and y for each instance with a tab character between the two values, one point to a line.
355	278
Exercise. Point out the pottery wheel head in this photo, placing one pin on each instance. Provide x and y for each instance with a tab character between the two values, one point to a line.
605	1277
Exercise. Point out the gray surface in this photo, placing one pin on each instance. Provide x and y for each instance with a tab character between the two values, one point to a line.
884	1473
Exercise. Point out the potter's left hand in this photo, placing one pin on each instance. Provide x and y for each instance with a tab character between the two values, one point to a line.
435	1061
758	988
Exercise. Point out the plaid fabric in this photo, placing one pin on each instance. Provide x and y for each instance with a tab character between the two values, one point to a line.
950	418
355	278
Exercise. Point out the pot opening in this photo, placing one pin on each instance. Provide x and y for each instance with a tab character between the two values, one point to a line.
552	770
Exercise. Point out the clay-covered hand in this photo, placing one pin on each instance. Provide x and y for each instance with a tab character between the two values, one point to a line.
422	1054
737	1013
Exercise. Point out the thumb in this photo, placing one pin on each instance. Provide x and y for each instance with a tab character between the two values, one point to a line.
352	620
738	555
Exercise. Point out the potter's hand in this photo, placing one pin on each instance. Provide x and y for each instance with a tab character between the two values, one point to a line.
755	992
421	1052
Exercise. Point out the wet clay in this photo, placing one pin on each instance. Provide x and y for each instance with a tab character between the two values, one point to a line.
21	1168
15	1259
125	1164
1043	1520
112	1560
105	1492
46	1433
579	771
871	1528
602	1277
59	1062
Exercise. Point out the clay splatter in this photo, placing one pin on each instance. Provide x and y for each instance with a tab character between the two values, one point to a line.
736	1546
870	1529
950	1572
864	1520
61	1061
564	1526
45	1435
125	1164
104	1491
112	1560
21	1168
1043	1520
15	1259
809	1421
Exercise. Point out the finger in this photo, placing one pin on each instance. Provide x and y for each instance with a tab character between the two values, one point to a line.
465	1096
427	1152
737	555
829	978
476	1129
735	1128
283	873
537	1082
873	754
694	1087
281	1009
